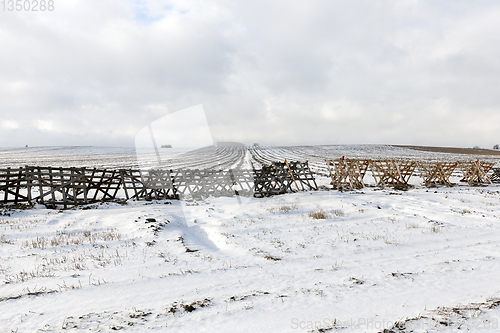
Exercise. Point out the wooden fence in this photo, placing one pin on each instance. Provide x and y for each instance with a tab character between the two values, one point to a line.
349	173
58	186
186	184
68	187
283	177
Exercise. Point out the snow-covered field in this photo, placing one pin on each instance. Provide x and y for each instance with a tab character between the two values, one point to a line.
421	260
213	157
303	262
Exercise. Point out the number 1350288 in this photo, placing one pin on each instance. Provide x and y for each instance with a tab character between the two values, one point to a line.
27	5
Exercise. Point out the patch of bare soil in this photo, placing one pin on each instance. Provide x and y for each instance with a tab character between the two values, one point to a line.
452	150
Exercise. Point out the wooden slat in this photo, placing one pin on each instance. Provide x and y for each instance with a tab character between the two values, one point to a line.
347	173
278	177
437	173
495	177
475	172
392	173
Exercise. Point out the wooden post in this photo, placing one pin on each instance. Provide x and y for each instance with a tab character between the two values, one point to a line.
290	170
28	182
7	181
51	180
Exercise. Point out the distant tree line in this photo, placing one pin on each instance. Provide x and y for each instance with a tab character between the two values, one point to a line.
496	147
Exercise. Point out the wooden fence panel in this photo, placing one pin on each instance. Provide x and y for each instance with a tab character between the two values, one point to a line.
102	184
186	184
394	173
437	173
495	177
149	184
57	186
347	173
280	178
199	184
475	173
302	175
243	182
14	188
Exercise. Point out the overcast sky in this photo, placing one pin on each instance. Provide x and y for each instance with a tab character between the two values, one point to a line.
273	72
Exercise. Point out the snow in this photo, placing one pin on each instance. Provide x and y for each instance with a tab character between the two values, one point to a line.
228	157
377	257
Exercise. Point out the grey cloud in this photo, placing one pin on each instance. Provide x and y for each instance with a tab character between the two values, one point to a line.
281	72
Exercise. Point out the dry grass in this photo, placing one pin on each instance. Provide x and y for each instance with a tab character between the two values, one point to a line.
5	240
457	318
283	209
73	238
178	306
20	223
272	258
318	215
464	211
41	271
321	214
337	266
338	213
67	263
391	242
435	229
32	292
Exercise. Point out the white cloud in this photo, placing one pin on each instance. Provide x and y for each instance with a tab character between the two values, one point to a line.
46	126
341	110
10	124
268	72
